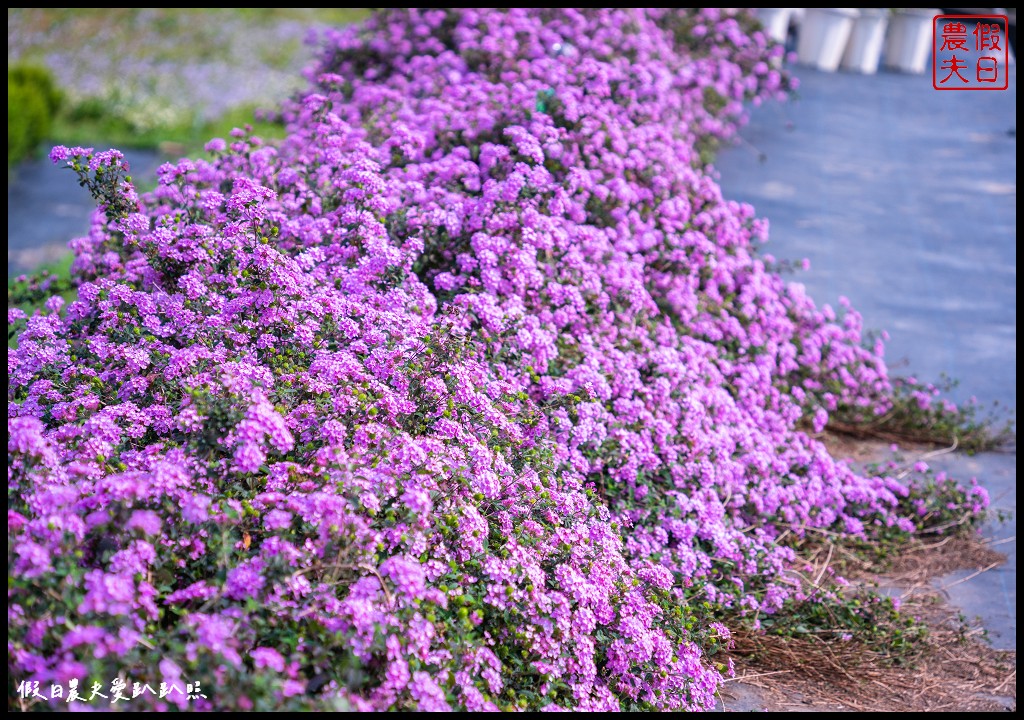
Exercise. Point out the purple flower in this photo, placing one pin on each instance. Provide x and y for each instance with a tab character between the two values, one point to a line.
265	657
246	580
407	576
107	593
145	520
195	508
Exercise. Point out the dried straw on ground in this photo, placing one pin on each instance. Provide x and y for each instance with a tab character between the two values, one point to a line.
953	668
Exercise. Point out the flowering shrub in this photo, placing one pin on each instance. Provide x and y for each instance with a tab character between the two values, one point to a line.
922	412
472	394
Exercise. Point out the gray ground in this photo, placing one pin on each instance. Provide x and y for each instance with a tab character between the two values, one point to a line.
46	208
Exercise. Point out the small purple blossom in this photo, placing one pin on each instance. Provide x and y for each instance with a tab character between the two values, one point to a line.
265	657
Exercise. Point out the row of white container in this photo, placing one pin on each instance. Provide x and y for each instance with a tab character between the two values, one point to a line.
856	39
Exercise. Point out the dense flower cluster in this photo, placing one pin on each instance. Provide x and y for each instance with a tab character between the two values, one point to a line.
472	394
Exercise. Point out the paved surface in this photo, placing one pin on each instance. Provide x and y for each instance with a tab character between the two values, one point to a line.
903	198
992	595
46	208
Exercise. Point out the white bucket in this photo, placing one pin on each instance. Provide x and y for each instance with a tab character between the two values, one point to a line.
823	36
776	22
909	45
864	49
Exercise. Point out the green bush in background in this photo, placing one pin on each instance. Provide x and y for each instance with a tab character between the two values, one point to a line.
32	101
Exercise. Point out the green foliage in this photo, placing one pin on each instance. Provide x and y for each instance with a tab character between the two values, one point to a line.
94	122
862	615
32	101
919	413
28	293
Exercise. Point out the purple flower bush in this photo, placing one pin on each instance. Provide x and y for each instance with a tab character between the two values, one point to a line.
474	393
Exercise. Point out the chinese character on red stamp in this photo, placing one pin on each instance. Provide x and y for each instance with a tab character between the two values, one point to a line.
970	52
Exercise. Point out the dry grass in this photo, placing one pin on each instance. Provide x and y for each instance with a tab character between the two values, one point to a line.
953	668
